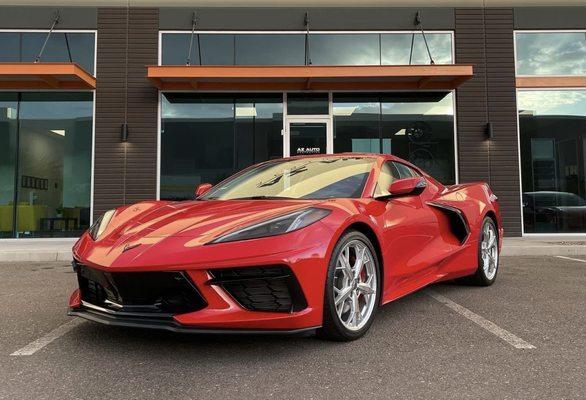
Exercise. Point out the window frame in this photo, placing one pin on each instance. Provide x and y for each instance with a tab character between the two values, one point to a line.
94	31
515	54
303	32
541	84
93	91
411	169
517	90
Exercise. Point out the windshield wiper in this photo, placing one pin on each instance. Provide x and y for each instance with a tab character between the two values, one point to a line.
292	172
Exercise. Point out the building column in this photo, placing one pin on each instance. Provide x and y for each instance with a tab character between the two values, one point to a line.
484	38
125	173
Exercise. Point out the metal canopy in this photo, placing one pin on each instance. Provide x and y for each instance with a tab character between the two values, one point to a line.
309	77
45	75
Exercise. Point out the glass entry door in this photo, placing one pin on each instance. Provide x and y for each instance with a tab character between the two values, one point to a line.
305	136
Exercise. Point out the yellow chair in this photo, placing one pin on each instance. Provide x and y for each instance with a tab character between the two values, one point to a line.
6	218
29	217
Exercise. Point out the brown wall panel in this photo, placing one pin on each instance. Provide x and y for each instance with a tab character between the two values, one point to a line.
125	172
471	109
141	178
110	103
485	38
502	110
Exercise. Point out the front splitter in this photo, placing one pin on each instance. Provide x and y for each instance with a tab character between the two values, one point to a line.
170	325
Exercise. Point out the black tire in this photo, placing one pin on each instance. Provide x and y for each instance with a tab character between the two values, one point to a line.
332	328
480	278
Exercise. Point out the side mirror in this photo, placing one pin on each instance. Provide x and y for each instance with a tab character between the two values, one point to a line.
202	189
408	186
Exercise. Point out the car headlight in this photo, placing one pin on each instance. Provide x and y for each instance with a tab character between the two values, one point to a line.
99	226
276	226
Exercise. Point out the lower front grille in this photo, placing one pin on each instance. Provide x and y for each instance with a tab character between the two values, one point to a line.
139	292
264	288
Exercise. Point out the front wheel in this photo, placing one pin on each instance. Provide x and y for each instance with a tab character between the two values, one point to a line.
488	255
352	289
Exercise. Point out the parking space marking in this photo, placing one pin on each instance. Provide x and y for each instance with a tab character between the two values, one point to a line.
570	258
41	342
490	326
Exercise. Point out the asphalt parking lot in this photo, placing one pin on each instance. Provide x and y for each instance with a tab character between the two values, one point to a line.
447	342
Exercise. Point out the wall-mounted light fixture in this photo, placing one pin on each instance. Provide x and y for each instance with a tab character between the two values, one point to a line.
124	133
488	131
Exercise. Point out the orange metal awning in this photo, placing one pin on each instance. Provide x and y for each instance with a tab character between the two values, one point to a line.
391	77
45	75
551	81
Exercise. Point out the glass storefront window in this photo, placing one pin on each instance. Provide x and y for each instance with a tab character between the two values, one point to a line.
409	48
290	48
9	47
345	49
54	164
215	49
357	124
551	53
49	137
307	104
206	138
418	127
552	128
257	126
62	47
8	138
270	49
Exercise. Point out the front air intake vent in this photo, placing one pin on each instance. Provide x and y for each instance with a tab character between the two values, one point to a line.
263	288
139	292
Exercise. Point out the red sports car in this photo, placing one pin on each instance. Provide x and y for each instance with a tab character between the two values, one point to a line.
300	244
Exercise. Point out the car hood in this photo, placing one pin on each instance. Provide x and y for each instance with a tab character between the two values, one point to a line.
197	219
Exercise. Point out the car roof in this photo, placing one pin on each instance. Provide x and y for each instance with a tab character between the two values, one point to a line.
549	192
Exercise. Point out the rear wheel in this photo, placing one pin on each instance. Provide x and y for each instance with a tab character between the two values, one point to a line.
352	289
488	255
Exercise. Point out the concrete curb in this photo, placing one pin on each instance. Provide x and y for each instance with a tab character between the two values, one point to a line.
544	246
538	251
35	256
36	250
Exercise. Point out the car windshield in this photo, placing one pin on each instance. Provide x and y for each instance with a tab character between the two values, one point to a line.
309	178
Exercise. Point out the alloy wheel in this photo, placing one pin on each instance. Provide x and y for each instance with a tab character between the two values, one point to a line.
354	285
489	251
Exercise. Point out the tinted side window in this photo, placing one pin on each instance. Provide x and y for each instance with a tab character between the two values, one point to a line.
388	174
405	171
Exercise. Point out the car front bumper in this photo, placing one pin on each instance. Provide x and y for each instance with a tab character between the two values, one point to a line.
223	311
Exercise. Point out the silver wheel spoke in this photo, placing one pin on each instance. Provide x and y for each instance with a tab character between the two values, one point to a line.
355	283
344	294
492	239
360	260
355	309
345	267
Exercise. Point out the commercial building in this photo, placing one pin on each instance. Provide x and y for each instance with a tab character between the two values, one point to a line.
109	104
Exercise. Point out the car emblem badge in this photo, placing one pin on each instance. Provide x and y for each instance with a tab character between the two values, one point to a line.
130	247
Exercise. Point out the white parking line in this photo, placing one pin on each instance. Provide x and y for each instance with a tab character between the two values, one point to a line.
570	258
493	328
41	342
